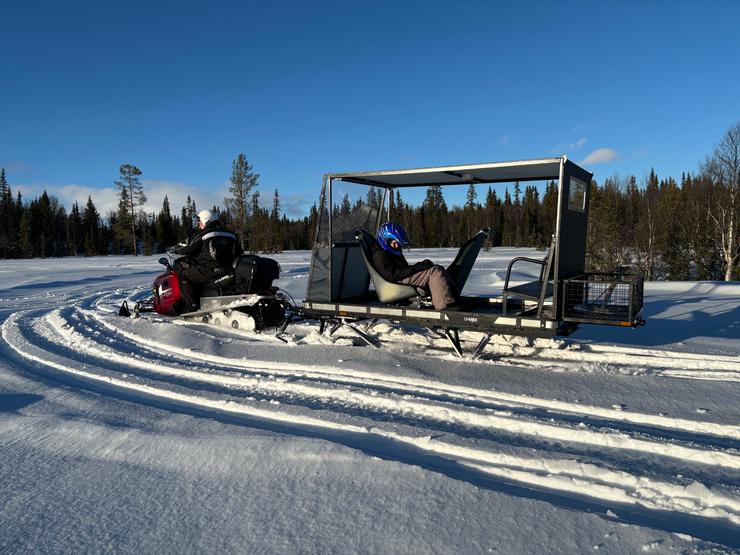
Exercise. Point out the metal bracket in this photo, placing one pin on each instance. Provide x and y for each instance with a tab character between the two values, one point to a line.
454	338
335	325
365	337
482	345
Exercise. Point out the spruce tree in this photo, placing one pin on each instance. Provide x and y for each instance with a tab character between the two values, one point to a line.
6	215
471	196
165	229
91	226
75	233
25	235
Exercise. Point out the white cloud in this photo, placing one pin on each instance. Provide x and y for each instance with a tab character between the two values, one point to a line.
601	156
205	196
105	199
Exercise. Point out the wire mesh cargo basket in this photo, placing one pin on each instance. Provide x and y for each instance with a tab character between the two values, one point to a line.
603	298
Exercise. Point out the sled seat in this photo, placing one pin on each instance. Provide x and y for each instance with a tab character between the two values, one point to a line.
534	290
387	291
459	270
463	263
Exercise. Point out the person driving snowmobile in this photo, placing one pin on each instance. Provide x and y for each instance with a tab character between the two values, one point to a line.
389	261
207	249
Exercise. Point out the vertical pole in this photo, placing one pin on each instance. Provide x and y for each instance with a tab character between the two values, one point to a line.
322	200
331	209
556	290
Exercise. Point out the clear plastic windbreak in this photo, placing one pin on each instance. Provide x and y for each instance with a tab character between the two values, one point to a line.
354	206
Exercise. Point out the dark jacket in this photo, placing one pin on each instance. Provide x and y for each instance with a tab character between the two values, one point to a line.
211	247
393	267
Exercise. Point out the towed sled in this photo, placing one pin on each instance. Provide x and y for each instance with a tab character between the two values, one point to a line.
344	289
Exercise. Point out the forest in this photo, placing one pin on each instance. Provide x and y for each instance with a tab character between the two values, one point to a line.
667	228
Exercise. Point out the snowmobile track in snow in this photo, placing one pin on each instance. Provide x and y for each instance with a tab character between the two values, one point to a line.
605	455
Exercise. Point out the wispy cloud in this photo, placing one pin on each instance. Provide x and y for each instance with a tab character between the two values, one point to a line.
565	148
295	206
601	156
579	127
578	144
17	166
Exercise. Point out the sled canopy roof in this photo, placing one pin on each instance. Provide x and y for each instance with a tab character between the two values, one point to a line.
494	172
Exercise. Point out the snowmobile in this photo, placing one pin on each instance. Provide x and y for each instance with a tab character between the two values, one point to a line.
240	297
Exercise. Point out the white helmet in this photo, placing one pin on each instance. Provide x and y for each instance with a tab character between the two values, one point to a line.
205	216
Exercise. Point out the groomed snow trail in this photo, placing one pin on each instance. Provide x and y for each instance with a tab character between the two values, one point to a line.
679	473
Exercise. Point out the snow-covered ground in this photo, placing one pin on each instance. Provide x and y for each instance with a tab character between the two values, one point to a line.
156	435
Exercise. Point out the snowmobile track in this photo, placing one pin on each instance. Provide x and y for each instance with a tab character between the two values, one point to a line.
460	424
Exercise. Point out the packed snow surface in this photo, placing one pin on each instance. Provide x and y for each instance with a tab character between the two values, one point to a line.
169	436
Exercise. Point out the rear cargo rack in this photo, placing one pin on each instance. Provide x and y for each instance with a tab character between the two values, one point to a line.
604	298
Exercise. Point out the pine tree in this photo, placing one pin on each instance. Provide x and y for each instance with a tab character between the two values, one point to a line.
243	181
132	199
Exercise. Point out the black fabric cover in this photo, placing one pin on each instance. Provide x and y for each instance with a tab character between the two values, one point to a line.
319	277
255	274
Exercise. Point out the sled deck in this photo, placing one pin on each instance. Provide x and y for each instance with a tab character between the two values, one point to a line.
483	315
354	205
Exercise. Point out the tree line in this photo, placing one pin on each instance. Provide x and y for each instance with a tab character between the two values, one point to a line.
685	229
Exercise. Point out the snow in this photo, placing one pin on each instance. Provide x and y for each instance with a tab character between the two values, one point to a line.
163	435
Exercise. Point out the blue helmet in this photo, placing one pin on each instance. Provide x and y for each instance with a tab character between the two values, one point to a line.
392	231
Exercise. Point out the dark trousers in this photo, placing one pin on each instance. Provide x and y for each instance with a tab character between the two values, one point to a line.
192	278
438	282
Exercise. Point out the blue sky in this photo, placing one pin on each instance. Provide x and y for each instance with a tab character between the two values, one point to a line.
180	88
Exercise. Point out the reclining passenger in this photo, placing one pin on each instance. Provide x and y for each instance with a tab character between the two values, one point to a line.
209	247
390	263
